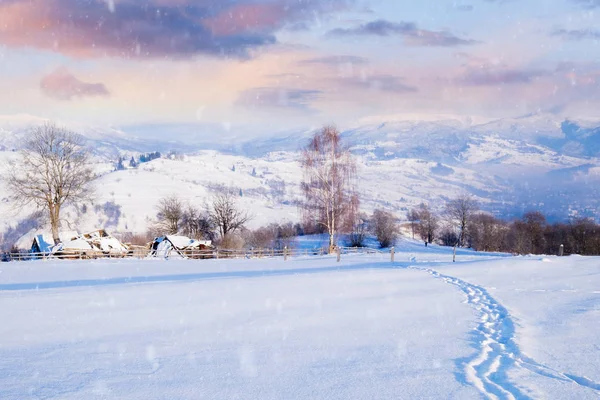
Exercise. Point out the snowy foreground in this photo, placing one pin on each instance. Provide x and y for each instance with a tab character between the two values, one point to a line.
308	328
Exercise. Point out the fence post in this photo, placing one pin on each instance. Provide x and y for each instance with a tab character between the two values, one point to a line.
561	250
392	252
285	253
338	250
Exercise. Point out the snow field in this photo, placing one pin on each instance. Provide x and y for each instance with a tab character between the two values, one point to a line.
489	326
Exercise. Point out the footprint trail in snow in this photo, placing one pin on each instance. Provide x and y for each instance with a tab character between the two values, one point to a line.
498	351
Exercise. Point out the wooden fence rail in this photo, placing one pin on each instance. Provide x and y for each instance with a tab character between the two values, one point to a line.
139	252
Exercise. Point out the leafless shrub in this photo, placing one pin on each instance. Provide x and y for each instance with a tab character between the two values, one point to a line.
260	238
360	230
231	241
448	237
271	236
384	227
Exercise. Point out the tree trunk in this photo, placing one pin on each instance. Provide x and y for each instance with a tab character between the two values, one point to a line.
54	222
331	242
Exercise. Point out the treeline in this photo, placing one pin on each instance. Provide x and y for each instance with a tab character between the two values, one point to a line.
531	234
133	163
222	220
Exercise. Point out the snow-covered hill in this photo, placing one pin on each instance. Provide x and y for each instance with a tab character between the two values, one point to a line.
509	165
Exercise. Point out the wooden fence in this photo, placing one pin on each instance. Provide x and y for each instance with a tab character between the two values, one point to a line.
140	252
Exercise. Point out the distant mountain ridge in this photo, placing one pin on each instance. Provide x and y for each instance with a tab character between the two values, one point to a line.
404	138
510	165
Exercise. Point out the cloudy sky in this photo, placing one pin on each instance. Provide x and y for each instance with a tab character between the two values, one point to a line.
271	65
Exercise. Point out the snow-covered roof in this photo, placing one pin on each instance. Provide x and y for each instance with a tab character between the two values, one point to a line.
71	240
104	241
110	244
180	242
72	245
43	238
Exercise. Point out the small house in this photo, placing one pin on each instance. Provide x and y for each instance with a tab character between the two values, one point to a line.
75	248
182	246
43	243
105	243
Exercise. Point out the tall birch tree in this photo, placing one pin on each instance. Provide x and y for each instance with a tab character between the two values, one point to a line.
329	170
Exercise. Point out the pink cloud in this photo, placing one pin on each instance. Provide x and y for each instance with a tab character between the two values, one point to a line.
154	28
62	85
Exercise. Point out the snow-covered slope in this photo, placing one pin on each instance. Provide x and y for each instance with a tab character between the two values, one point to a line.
509	165
105	142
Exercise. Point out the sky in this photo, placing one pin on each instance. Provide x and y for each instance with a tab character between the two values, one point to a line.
264	66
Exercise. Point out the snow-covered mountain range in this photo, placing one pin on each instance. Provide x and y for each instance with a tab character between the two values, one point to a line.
510	165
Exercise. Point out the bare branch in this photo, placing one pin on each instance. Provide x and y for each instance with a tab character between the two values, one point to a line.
225	214
54	171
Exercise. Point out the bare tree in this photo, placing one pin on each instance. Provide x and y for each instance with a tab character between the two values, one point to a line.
459	212
535	225
225	213
488	233
584	232
518	238
170	212
197	224
328	172
413	217
428	223
54	171
385	227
